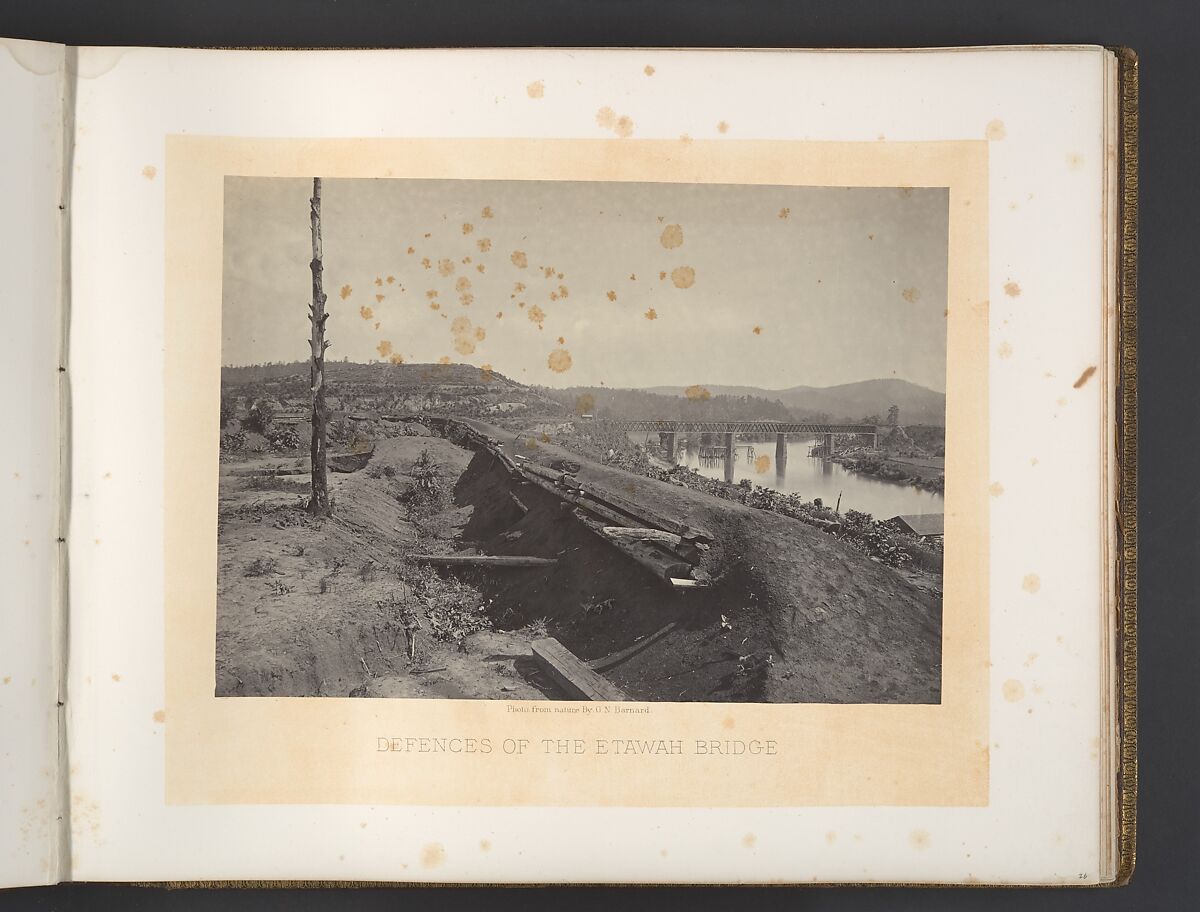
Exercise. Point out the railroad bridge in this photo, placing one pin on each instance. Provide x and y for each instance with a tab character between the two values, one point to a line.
668	428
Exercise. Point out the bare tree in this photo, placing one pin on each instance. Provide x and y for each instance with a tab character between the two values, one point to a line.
319	504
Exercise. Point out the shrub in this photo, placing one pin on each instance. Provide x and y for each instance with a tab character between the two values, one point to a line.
260	416
428	494
261	567
283	439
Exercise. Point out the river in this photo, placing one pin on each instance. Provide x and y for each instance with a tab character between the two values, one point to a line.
810	477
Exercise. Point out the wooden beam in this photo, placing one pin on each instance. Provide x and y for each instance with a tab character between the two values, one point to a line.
485	560
573	675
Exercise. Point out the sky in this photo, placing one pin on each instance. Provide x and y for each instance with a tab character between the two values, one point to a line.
588	283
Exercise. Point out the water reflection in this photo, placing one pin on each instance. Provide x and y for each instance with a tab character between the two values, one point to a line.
800	473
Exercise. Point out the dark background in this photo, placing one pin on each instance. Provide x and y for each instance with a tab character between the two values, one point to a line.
1165	37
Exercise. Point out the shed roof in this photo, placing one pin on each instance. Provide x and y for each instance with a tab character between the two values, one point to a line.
923	523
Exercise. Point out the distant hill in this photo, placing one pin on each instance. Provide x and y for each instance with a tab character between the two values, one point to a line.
850	401
397	388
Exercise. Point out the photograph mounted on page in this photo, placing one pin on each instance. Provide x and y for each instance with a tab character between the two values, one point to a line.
582	440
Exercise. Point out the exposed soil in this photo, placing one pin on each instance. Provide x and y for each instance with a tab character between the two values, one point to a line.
793	615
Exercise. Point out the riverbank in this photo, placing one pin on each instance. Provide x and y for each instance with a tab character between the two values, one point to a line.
924	474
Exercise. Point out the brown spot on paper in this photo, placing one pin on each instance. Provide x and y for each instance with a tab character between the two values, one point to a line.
463	284
1075	161
391	280
749	840
445	267
537	315
484	244
519	259
160	715
1032	583
1012	289
697	393
651	314
683	276
757	330
784	212
379	299
672	237
149	172
762	463
536	89
728	722
384	348
366	313
1013	690
487	212
559	360
911	295
722	127
379	281
485	845
1084	377
622	125
116	678
433	855
346	291
996	489
995	130
648	70
1004	350
612	295
585	404
464	345
920	839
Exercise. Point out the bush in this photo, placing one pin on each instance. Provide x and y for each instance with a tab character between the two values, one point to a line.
428	494
228	409
284	439
261	567
260	416
233	443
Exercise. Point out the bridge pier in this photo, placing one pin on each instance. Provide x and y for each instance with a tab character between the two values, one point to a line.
780	458
828	446
667	440
729	456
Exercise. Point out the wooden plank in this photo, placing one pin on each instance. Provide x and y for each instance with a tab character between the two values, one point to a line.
485	560
570	673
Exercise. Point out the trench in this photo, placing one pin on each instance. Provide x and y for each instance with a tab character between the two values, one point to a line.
595	600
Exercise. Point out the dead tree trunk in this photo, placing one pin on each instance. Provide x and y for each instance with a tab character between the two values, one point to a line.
319	504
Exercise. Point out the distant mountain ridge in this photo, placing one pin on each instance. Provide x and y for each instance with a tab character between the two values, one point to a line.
917	404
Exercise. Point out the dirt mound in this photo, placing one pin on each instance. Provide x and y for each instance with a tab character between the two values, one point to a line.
794	615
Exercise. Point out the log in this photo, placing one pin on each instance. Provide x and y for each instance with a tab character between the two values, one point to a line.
573	675
626	533
616	658
485	560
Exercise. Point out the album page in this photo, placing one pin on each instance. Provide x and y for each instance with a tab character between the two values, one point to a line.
591	466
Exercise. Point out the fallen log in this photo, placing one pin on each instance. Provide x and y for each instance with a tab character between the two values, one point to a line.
485	560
